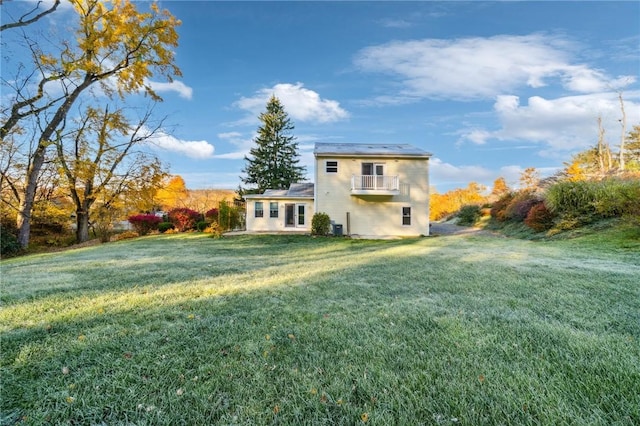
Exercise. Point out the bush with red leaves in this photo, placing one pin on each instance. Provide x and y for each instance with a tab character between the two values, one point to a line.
212	215
519	207
144	223
540	218
499	208
183	218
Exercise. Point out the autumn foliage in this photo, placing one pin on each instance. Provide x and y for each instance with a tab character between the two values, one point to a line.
443	205
183	218
212	214
172	193
144	223
518	208
540	218
499	208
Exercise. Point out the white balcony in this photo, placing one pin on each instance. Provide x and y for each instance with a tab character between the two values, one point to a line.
375	185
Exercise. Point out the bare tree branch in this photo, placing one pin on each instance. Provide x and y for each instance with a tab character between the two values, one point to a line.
22	22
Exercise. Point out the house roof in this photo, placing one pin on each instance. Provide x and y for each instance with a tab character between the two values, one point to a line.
368	150
304	189
296	190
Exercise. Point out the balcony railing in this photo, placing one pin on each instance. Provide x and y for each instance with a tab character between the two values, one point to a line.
375	185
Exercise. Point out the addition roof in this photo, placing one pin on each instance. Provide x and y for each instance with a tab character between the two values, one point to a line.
296	190
368	150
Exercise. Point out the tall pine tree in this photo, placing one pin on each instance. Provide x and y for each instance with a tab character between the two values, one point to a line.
273	161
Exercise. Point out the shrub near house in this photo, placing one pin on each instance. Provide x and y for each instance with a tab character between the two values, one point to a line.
320	224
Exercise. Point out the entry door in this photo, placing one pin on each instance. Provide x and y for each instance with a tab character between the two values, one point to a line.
379	172
302	217
372	175
295	215
289	215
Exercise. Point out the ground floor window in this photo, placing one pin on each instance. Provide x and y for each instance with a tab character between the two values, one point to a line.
406	215
259	209
273	209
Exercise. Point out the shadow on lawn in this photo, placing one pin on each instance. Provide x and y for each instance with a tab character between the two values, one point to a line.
148	262
359	317
109	346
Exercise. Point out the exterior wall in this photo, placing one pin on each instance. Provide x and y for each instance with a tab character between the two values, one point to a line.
375	215
277	224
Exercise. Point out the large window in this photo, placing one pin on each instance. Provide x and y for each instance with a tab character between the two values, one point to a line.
273	209
331	167
406	216
259	209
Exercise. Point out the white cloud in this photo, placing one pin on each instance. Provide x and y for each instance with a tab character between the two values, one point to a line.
301	104
395	23
478	136
241	142
481	68
560	125
192	149
446	173
176	86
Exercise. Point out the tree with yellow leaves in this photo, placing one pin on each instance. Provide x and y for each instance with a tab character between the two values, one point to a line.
173	193
113	44
574	172
442	205
500	187
529	179
98	161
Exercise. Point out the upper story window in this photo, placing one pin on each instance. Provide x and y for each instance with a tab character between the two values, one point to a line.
273	209
406	215
331	166
259	209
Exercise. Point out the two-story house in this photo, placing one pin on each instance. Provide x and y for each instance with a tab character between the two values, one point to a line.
368	191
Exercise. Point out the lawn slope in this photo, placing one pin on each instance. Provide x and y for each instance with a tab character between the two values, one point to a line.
186	329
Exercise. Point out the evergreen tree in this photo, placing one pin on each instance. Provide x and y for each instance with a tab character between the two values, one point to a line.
273	161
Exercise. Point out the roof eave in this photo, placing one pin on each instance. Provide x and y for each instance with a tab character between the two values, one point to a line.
370	155
278	197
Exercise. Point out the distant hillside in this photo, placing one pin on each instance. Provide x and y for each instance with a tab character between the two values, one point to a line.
204	199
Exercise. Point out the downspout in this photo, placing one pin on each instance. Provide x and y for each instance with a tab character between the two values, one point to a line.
348	224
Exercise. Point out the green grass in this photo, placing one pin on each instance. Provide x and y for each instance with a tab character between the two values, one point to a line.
186	329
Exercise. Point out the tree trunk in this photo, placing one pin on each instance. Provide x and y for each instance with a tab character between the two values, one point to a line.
623	123
82	226
83	210
600	146
23	221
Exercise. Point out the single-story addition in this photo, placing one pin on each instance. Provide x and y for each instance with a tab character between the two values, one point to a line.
368	191
281	210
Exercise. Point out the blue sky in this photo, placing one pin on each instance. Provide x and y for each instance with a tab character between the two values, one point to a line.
490	88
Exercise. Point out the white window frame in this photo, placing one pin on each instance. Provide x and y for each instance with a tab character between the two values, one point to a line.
406	215
258	212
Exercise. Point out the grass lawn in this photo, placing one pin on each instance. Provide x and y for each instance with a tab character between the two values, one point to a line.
186	329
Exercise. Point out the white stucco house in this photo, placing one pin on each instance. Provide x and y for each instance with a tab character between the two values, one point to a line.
368	191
